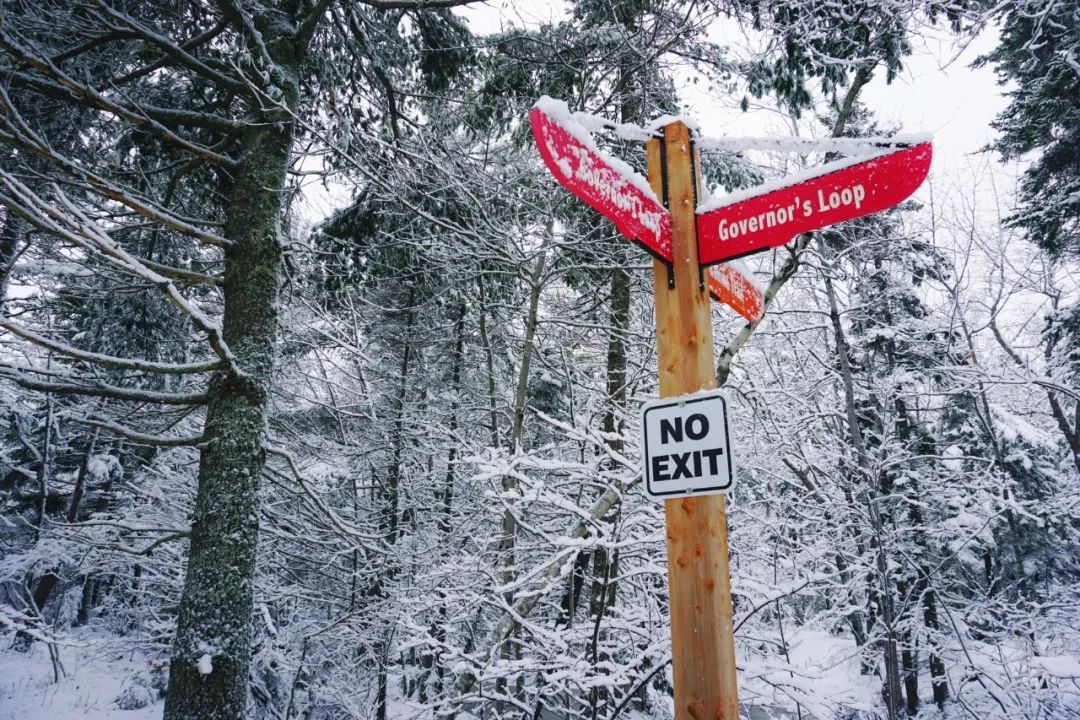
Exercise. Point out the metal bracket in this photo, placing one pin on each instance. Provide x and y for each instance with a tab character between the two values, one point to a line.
666	200
694	187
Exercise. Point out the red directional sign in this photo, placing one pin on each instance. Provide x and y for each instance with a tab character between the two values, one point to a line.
618	193
624	197
733	288
839	191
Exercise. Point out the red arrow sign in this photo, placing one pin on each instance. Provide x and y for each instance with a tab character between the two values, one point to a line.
607	185
617	192
838	191
732	287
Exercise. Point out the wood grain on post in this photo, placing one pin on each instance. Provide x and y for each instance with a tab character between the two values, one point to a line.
699	579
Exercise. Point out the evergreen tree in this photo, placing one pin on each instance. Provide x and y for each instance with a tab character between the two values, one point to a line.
1037	60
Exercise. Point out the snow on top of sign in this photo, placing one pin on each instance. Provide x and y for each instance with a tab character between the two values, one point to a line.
595	123
849	146
743	269
578	125
712	202
663	120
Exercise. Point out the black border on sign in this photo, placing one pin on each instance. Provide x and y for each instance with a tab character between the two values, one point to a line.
686	492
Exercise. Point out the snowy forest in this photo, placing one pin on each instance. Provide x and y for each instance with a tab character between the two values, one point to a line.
320	397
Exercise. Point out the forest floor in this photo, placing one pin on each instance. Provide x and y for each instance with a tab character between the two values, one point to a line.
99	678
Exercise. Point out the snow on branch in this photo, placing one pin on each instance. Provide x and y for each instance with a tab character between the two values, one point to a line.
109	361
552	570
97	389
16	132
135	436
73	225
95	99
316	502
848	146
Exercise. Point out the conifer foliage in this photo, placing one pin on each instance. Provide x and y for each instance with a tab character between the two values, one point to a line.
1037	62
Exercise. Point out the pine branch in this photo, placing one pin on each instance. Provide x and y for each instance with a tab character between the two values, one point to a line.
164	115
78	229
135	436
16	132
194	42
96	99
173	50
110	361
97	389
416	4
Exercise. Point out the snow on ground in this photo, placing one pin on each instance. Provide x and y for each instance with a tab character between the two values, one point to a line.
97	674
823	678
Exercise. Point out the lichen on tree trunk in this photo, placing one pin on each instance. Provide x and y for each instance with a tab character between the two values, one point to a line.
217	602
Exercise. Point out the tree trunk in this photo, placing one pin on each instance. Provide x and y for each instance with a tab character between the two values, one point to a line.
613	412
938	679
508	543
44	468
208	676
434	658
392	515
92	585
891	691
383	684
605	568
489	362
48	582
9	251
531	321
909	660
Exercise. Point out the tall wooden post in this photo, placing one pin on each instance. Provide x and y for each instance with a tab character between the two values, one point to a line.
699	579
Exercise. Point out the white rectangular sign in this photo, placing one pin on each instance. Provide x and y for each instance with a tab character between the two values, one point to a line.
684	442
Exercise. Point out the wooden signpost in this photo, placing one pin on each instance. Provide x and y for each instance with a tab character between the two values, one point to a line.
663	215
699	580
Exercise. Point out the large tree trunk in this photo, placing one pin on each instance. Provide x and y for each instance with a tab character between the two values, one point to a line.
208	677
